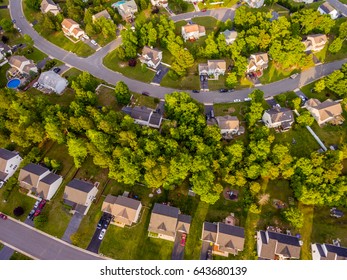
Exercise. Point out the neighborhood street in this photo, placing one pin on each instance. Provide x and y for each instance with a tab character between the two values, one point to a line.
221	14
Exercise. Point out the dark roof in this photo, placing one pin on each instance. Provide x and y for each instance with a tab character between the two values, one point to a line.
320	249
35	169
6	154
81	185
184	218
155	119
128	202
127	110
5	47
210	227
231	230
340	251
50	178
326	7
141	113
3	176
165	210
284	238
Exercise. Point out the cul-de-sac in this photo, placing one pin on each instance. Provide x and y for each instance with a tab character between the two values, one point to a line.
173	130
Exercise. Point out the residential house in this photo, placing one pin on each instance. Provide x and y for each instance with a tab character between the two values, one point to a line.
162	3
315	43
193	32
144	116
229	125
227	239
257	62
151	57
9	162
230	36
49	6
328	252
304	1
102	14
39	180
126	9
79	195
213	68
22	64
278	117
72	28
166	221
52	82
255	3
327	9
277	246
323	112
5	49
125	210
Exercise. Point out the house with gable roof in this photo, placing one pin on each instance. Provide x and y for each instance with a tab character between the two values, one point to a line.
151	57
213	68
328	252
324	112
48	6
229	125
278	117
315	43
102	14
257	62
72	28
230	36
255	3
22	64
193	32
9	163
144	116
327	9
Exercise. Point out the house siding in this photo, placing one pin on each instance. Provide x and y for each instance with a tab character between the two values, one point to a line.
53	188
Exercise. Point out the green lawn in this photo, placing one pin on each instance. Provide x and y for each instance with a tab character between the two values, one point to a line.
208	5
106	98
112	62
65	99
273	74
36	55
249	252
306	231
189	82
142	100
20	257
234	109
321	96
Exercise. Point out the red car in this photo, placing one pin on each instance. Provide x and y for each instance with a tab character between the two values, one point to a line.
37	212
183	239
3	216
42	204
204	10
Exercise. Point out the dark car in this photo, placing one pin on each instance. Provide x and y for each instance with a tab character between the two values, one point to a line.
336	213
3	216
107	222
195	91
223	90
41	204
209	255
145	93
14	21
56	70
100	223
204	10
31	214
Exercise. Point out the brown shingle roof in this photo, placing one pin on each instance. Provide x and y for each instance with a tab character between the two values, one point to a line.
214	64
228	122
101	14
191	28
68	23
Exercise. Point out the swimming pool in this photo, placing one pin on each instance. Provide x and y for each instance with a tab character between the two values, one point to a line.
115	5
14	83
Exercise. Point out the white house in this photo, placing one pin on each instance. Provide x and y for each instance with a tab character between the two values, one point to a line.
22	64
72	28
255	3
52	81
230	36
9	162
315	43
324	112
193	32
144	116
49	6
126	9
278	117
162	3
257	62
327	9
151	57
328	252
304	1
213	68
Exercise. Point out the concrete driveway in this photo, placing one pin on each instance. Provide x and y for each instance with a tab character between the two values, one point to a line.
163	70
203	83
178	250
95	243
72	227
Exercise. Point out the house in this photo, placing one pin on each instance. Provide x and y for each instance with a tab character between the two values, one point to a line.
52	81
193	32
278	117
126	9
22	64
213	68
257	62
102	14
166	221
323	112
144	116
49	6
5	49
9	162
304	1
72	28
227	239
39	180
328	252
125	210
315	43
327	9
230	36
79	195
255	3
162	3
228	125
277	246
151	57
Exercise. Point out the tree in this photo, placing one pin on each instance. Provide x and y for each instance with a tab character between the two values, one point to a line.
6	24
343	30
78	150
33	4
18	211
254	188
294	216
231	80
336	45
41	220
107	27
122	93
319	86
305	119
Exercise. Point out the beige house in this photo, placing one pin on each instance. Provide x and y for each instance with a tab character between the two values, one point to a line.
9	162
127	10
22	64
151	57
193	32
315	43
102	14
166	221
49	6
227	239
228	125
257	62
277	246
230	36
125	211
162	3
39	181
323	112
278	117
213	68
79	195
72	28
328	252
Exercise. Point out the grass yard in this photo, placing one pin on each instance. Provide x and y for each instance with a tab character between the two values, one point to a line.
20	257
112	62
217	84
249	252
273	74
36	55
209	5
72	72
142	100
189	82
234	109
306	231
106	98
65	99
325	56
322	96
244	83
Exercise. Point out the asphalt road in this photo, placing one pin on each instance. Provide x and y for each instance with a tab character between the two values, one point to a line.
38	245
221	14
338	6
95	243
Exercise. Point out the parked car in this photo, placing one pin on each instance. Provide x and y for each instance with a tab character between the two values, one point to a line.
183	239
101	221
237	100
231	90
1	184
102	234
202	78
336	213
145	93
3	216
248	99
19	30
94	43
56	70
223	90
42	204
14	21
107	222
195	91
37	212
204	10
36	203
209	255
158	73
85	36
212	114
31	214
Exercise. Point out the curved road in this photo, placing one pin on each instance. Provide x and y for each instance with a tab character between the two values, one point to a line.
93	64
39	245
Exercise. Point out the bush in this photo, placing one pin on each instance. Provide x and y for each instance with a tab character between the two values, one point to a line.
132	62
18	211
173	75
156	100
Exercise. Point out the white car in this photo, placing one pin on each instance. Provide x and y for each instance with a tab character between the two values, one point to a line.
93	42
85	36
248	99
102	234
36	203
237	100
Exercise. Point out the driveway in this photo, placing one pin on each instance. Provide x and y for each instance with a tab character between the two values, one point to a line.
72	227
203	83
271	101
163	70
178	250
205	247
95	243
6	253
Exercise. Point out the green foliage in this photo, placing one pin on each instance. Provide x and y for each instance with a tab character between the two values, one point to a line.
336	45
294	216
122	93
231	80
33	4
6	24
41	220
254	188
305	119
78	150
254	209
319	86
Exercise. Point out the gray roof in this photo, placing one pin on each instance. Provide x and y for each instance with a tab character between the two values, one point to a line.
35	169
50	178
340	251
326	7
3	176
280	114
138	113
80	185
284	238
165	210
128	202
231	230
155	118
6	154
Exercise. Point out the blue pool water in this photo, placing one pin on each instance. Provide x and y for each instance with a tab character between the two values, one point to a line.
115	5
14	83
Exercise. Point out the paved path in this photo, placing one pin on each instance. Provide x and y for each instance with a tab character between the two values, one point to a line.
339	6
72	227
39	245
6	253
221	14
